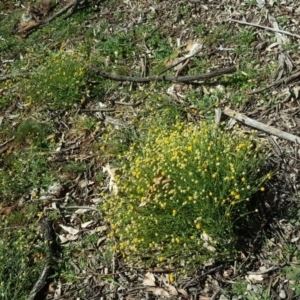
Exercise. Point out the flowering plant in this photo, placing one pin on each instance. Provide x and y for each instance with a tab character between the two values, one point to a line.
183	193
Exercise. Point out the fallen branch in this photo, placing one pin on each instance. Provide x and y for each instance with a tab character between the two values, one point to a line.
260	126
265	27
286	80
148	79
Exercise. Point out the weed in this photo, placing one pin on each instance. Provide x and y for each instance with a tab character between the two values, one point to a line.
184	191
32	133
239	287
293	274
21	255
57	84
23	171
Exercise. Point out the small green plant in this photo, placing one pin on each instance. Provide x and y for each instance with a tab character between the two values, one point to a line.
58	83
261	294
21	255
239	287
32	133
293	274
23	171
183	194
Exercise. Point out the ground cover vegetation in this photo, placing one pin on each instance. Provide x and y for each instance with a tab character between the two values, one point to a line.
149	190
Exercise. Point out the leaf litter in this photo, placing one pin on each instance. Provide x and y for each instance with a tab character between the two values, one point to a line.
105	277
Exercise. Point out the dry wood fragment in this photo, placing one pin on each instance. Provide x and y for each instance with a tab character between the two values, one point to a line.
260	126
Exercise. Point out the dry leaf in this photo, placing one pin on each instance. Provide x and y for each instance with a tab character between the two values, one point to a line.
149	279
101	240
192	47
172	290
87	224
112	186
70	230
183	292
98	229
57	294
253	277
157	291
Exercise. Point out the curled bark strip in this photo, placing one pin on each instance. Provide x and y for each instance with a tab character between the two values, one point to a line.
260	126
148	79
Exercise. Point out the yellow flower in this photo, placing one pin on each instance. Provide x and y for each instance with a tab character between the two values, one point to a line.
174	212
243	179
171	277
198	226
189	148
262	189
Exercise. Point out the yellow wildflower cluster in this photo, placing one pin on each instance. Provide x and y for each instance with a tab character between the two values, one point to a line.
178	184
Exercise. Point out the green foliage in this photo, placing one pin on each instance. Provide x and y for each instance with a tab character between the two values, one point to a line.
32	133
21	255
23	171
243	40
58	83
183	194
239	287
293	274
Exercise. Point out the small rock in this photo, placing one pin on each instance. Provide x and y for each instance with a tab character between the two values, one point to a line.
222	297
282	294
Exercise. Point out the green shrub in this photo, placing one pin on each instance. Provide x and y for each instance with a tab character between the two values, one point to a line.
32	133
21	172
183	194
58	83
21	256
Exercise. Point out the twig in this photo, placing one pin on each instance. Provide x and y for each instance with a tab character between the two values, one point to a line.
82	207
267	28
266	128
99	109
287	80
165	78
273	268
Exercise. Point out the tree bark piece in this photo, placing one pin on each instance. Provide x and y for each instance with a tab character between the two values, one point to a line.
260	126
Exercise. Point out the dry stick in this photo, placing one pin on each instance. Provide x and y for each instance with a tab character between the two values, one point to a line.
166	78
255	124
267	28
287	80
